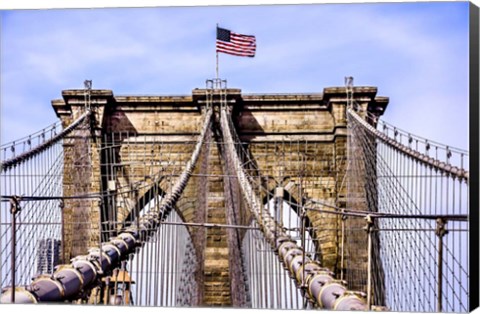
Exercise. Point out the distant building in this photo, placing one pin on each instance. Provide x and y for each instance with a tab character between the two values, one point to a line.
48	255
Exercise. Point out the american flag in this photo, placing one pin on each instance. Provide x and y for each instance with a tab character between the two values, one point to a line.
235	44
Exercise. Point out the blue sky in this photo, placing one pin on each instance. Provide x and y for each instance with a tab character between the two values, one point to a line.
415	53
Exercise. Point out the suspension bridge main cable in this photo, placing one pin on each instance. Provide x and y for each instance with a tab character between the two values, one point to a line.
425	159
83	273
322	288
38	149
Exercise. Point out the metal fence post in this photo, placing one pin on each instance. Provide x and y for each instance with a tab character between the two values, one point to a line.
14	209
368	228
440	231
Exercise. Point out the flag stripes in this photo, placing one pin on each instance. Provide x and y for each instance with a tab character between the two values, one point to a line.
235	44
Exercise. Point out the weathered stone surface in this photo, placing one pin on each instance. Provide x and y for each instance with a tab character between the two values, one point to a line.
142	143
216	263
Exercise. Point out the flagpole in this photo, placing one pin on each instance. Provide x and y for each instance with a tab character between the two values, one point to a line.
217	54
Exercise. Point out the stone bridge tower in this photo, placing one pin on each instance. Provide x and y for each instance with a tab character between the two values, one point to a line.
298	141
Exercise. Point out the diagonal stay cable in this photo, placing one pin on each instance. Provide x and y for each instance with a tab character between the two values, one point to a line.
102	260
336	295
